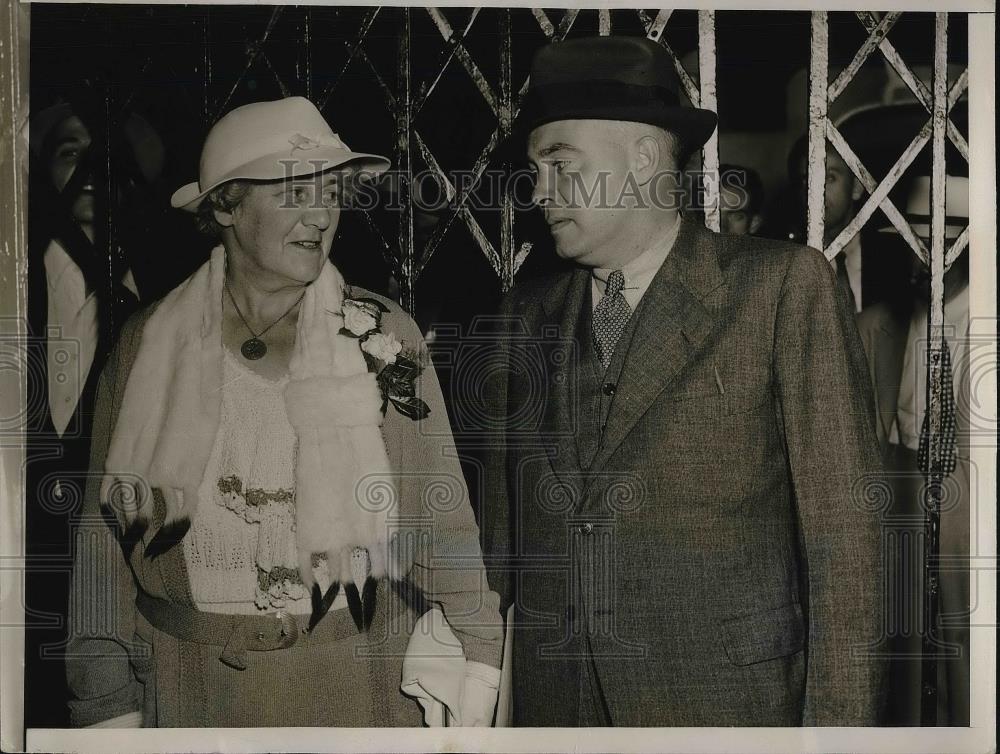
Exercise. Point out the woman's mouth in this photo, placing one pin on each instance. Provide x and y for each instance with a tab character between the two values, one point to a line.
307	245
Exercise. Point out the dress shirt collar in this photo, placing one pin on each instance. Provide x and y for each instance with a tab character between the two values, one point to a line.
638	273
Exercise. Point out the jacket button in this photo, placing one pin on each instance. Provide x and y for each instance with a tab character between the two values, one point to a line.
587	528
608	388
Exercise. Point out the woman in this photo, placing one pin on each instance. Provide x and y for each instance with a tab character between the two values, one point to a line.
279	479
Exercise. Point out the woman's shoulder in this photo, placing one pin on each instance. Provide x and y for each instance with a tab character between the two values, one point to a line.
394	318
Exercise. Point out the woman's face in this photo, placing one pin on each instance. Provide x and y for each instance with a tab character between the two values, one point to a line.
282	232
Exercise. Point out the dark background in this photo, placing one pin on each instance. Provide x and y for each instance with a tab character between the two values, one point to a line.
182	67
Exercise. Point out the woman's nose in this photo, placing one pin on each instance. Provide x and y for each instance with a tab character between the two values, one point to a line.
319	217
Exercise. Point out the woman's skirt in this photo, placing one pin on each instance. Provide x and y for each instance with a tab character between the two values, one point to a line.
209	670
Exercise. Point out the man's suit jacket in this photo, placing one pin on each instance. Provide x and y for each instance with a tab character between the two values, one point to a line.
715	558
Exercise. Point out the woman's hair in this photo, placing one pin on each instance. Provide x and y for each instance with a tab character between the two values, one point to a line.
224	198
228	196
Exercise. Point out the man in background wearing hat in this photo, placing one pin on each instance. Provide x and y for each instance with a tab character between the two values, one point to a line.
871	268
896	343
679	533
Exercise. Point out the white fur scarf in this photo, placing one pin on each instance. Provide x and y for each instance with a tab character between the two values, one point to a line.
345	496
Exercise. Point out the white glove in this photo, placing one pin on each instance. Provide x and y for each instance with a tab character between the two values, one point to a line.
479	695
128	720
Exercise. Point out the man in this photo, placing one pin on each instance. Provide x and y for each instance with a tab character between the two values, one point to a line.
896	343
871	267
741	199
679	437
75	310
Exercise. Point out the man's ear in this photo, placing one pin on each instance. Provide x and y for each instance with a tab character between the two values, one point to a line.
647	158
857	190
223	218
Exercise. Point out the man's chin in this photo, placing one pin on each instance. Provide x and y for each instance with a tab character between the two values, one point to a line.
83	210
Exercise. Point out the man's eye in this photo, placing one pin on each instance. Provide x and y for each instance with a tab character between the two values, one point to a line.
69	154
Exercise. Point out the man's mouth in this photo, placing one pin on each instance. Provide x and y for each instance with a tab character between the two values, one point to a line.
557	223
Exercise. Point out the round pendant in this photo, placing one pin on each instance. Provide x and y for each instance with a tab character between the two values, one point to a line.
253	349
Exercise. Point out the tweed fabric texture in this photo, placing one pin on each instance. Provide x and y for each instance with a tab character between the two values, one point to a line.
711	557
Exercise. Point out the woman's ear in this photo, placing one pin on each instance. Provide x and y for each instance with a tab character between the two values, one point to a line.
223	218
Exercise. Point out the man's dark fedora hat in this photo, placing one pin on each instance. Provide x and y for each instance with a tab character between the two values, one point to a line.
609	78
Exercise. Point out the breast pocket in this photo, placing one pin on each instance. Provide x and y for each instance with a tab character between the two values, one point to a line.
711	403
764	635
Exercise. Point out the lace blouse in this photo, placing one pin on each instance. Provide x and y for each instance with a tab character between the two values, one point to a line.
240	550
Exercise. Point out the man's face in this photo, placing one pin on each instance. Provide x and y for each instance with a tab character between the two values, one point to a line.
283	231
736	218
842	190
956	276
581	170
71	140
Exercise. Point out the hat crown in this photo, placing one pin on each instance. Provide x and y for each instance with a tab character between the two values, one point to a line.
956	197
261	128
635	61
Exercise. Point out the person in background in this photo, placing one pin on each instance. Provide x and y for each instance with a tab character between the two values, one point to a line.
80	291
896	343
741	200
871	267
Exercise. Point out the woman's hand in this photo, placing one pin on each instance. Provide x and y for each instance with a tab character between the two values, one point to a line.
128	720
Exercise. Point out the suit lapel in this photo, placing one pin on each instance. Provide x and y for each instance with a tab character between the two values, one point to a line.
558	330
673	323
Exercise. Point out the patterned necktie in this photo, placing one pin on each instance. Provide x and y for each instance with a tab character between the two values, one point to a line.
946	464
610	317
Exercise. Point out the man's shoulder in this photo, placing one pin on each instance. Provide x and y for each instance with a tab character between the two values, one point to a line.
753	259
532	292
882	316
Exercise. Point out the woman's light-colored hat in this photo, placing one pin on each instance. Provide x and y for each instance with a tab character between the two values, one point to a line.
918	207
286	138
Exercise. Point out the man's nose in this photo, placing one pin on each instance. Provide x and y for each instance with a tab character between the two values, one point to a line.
541	192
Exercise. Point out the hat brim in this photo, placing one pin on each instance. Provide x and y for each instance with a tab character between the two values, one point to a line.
923	230
693	126
275	168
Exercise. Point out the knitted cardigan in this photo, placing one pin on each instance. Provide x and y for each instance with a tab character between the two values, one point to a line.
112	652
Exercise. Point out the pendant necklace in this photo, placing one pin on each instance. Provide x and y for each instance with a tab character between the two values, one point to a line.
254	348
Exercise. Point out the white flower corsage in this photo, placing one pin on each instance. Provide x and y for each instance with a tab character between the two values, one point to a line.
395	370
